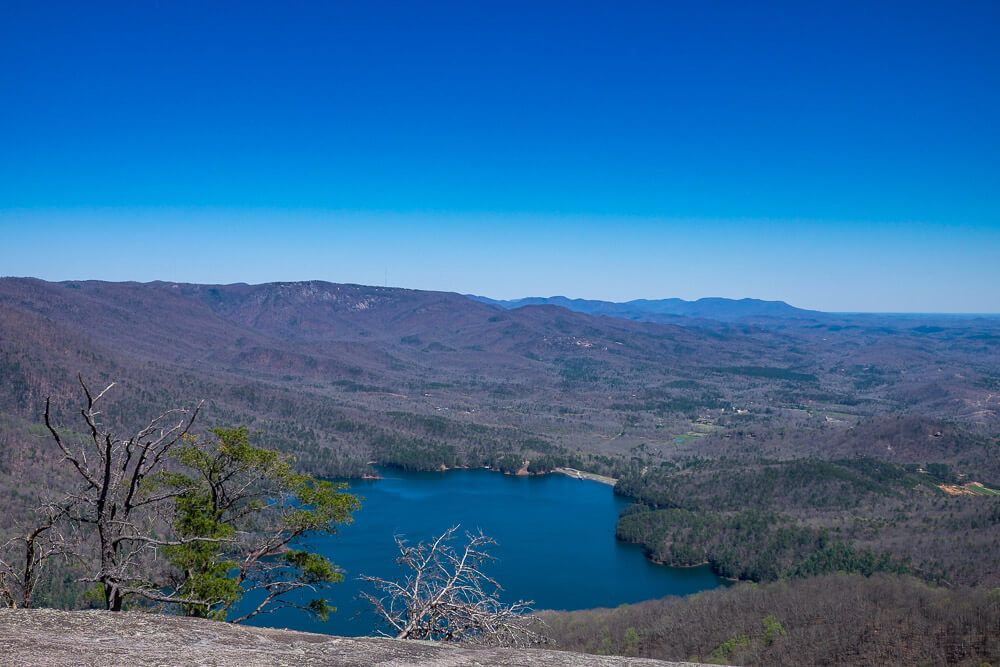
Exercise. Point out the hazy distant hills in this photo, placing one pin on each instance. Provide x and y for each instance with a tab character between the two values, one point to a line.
667	310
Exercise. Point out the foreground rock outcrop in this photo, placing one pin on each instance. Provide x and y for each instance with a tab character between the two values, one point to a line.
47	637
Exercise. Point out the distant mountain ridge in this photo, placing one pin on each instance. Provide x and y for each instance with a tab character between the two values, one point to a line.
666	310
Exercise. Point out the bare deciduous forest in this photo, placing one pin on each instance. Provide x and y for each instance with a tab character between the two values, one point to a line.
828	620
781	448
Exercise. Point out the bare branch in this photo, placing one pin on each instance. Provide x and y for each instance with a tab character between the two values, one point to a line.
448	597
122	527
80	467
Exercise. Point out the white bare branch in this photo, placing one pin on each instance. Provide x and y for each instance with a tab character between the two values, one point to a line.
447	596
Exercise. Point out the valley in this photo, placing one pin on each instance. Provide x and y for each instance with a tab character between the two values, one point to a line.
771	447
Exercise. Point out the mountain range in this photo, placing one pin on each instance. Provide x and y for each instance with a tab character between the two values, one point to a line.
667	310
342	375
814	420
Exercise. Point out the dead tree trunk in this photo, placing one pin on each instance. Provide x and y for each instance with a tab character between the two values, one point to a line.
112	502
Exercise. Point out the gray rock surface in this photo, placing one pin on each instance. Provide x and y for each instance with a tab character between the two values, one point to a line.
47	637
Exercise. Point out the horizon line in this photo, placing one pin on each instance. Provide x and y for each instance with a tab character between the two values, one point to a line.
470	295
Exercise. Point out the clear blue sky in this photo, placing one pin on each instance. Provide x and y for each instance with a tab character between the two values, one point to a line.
838	155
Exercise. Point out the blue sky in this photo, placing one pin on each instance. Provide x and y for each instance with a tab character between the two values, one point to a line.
841	156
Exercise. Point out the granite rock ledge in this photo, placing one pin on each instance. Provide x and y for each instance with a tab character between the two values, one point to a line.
52	638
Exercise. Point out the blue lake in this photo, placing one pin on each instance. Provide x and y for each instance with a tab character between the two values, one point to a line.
555	534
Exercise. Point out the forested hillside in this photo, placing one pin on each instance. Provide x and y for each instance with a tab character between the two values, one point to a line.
774	450
342	367
828	620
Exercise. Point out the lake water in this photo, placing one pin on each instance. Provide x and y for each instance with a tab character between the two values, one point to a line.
555	534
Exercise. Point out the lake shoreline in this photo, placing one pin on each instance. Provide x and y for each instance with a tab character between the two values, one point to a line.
574	474
582	474
522	472
535	522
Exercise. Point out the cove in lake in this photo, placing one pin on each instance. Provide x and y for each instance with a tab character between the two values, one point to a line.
555	534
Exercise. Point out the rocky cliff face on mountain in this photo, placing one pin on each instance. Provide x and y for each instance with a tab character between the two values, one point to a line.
50	638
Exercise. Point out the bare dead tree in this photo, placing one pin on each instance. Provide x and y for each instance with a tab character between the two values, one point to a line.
447	596
22	558
173	518
119	523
